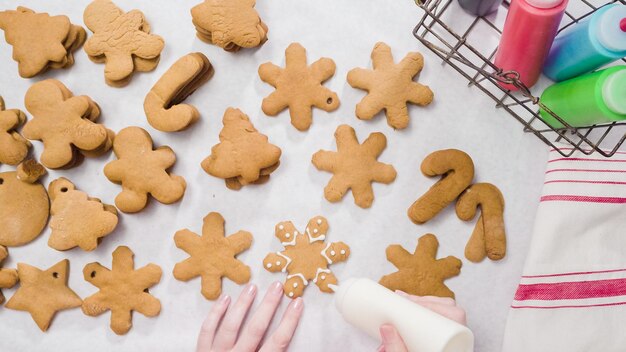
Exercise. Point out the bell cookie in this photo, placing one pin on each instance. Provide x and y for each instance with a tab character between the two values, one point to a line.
13	147
8	277
162	104
354	166
456	169
122	290
488	238
43	293
299	87
117	38
24	209
420	273
306	257
40	41
142	170
64	123
76	219
229	24
390	86
212	256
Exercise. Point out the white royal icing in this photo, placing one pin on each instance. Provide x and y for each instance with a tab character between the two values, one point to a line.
324	254
343	251
281	227
286	259
269	265
319	221
304	280
322	277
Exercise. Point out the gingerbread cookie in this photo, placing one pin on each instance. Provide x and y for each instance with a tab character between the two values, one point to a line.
390	86
212	256
229	24
306	257
354	166
163	103
456	169
77	220
488	238
30	171
13	147
64	123
119	37
24	208
40	41
244	155
8	277
142	170
43	293
299	87
420	273
122	290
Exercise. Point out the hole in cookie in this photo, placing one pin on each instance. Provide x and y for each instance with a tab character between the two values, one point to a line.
93	274
146	291
329	101
64	189
1	181
55	275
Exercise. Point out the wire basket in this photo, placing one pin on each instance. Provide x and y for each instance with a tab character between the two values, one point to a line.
466	52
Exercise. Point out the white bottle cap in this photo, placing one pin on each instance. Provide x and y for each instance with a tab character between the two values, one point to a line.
544	4
610	32
614	92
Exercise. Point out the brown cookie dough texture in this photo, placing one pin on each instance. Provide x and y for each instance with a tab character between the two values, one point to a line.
65	124
24	208
142	170
420	273
244	156
229	24
390	86
163	104
43	293
8	277
40	41
13	147
122	290
121	40
456	169
77	220
212	256
355	166
306	257
488	238
299	87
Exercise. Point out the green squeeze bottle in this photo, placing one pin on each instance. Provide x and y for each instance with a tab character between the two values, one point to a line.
594	98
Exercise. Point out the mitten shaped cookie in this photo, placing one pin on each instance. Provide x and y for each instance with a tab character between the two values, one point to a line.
243	153
118	38
13	147
420	273
77	220
142	170
456	169
122	290
355	166
212	256
8	277
488	238
299	87
229	24
390	86
306	257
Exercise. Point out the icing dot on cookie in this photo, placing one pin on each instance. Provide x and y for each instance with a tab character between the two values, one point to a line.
269	265
319	221
290	294
332	253
281	227
287	235
295	233
343	251
277	263
323	277
295	284
315	231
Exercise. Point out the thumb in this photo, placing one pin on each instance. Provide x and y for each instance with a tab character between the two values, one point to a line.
392	341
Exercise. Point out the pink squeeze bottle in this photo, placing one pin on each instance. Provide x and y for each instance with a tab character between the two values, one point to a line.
528	33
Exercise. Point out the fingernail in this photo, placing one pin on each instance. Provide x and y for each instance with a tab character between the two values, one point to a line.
224	299
297	304
251	289
276	288
386	332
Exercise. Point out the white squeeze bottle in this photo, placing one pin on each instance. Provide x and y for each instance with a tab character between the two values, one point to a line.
368	305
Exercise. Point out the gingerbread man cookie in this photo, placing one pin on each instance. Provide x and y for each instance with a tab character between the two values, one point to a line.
117	38
306	257
142	170
13	147
212	256
77	220
43	293
299	87
229	24
355	166
420	273
8	277
390	86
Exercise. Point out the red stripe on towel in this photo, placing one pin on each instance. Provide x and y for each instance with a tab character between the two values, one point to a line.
585	159
574	273
585	181
583	170
583	199
571	290
572	306
586	150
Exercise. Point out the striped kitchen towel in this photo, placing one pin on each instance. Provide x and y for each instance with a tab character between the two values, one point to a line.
572	295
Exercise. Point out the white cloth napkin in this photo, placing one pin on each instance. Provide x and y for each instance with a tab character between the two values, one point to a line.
572	295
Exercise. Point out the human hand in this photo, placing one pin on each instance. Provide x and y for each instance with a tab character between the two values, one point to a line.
445	306
219	334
